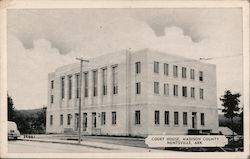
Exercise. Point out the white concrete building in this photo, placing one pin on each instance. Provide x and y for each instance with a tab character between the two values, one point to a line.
134	93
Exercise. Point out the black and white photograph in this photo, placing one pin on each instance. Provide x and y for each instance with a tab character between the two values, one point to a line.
117	80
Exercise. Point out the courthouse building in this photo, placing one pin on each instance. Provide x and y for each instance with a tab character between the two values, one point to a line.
134	93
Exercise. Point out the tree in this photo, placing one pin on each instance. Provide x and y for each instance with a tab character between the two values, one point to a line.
230	102
10	108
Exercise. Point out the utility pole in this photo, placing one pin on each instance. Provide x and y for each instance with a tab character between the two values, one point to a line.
80	96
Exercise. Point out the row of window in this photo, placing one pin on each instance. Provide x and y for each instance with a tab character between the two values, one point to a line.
166	70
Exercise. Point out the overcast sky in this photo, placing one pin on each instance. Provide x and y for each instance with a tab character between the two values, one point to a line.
39	41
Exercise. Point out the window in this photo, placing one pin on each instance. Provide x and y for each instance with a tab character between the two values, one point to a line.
62	87
202	119
115	79
70	86
165	66
137	117
94	83
51	99
175	90
85	120
192	92
51	119
113	118
184	118
176	118
192	75
77	86
104	81
138	88
103	118
184	91
138	67
61	119
184	72
175	71
201	93
156	67
86	84
166	89
156	87
69	119
200	75
166	117
157	117
52	84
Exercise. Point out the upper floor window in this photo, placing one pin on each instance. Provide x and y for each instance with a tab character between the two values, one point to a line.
52	84
185	118
86	84
200	75
70	86
62	87
138	88
175	71
51	99
77	86
192	74
175	90
184	91
113	118
156	67
176	118
115	79
184	72
192	92
138	67
95	83
104	81
156	87
137	117
202	119
165	66
201	93
166	89
157	117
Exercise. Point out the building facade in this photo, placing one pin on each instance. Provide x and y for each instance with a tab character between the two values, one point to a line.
134	93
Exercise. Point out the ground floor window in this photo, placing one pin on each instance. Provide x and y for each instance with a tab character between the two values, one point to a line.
103	118
176	118
137	117
85	120
185	118
166	117
61	119
113	118
69	119
51	119
202	119
157	117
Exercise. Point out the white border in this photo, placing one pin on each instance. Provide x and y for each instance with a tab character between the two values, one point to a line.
28	4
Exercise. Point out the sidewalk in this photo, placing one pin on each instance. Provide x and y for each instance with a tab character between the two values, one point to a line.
99	145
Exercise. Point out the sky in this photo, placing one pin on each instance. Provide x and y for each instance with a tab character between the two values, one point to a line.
41	40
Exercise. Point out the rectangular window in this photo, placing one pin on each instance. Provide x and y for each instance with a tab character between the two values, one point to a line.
184	91
185	118
138	67
62	87
175	90
192	92
61	119
202	119
115	79
156	67
77	86
156	87
176	118
157	117
103	118
104	81
201	93
52	84
192	74
94	83
165	69
200	75
85	121
51	99
51	119
166	117
69	119
175	71
86	84
70	86
184	72
166	89
137	117
138	88
113	118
